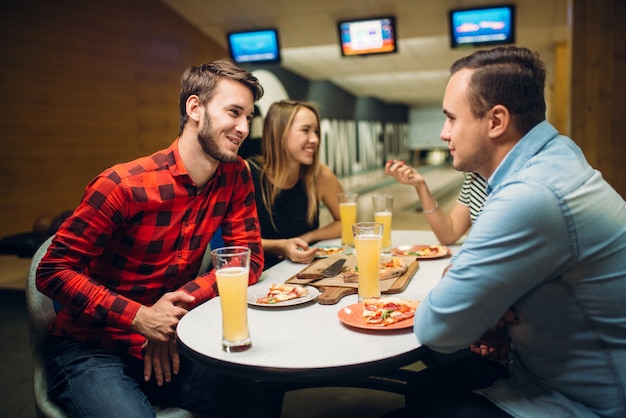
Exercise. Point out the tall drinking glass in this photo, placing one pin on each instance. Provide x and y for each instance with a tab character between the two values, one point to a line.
383	208
347	213
232	266
368	239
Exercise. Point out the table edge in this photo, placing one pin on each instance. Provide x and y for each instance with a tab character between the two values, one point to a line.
296	374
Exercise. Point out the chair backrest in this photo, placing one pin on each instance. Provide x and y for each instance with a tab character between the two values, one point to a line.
41	313
217	241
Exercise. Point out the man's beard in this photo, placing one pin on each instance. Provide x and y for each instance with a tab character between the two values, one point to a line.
209	145
473	163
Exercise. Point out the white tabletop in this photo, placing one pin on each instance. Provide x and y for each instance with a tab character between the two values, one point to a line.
309	340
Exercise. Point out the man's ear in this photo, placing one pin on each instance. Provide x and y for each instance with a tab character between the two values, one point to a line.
500	120
194	108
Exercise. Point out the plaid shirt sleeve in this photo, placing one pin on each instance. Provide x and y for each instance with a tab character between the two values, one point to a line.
79	244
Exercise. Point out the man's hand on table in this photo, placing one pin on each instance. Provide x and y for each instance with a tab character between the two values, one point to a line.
158	324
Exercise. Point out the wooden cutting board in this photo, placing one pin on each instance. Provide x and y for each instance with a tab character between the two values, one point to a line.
332	289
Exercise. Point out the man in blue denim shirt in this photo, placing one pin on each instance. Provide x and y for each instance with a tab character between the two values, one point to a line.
541	279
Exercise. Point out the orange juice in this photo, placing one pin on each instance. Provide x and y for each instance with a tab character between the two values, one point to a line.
232	284
347	212
385	219
368	248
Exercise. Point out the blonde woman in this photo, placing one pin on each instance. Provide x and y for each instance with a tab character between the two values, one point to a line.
290	183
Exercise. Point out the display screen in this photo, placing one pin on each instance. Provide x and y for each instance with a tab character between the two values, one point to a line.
368	36
254	47
482	26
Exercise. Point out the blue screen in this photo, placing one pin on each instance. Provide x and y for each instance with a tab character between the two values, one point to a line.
254	47
493	25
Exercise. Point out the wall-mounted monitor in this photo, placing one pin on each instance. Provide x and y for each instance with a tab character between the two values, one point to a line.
254	46
480	26
368	36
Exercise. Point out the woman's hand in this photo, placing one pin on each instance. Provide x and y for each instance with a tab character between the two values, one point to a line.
298	251
403	173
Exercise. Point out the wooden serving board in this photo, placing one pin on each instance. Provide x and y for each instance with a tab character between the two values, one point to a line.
332	289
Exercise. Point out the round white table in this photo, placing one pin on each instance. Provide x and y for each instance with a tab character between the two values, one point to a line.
308	341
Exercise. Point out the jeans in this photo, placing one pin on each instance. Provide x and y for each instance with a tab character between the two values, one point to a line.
89	381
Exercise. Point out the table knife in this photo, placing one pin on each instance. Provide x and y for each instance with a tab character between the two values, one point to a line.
330	271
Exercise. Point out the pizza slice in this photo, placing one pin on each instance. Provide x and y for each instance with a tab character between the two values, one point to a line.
283	292
422	250
387	311
327	251
393	268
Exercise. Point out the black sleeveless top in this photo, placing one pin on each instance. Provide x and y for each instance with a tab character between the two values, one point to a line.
289	212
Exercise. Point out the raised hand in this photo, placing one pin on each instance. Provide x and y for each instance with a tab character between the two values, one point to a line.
403	173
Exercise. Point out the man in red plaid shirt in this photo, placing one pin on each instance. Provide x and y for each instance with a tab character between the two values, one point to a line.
124	267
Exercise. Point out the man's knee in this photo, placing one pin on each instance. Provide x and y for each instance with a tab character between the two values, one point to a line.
90	381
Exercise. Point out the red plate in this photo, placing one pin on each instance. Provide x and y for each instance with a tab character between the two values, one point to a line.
436	251
352	315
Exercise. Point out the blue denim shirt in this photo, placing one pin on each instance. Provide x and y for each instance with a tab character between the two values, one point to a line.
551	243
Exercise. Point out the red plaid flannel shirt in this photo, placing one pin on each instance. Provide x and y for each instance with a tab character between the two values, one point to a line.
140	231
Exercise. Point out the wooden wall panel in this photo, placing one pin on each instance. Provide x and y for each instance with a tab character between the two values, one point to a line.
84	85
599	86
560	104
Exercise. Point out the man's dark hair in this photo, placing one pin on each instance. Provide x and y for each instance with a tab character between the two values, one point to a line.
509	76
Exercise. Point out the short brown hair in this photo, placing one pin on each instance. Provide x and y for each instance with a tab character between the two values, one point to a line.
510	76
202	81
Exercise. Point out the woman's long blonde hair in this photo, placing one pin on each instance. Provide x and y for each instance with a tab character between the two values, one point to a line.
274	161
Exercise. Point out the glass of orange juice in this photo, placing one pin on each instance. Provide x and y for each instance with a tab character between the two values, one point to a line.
347	213
368	241
383	207
232	266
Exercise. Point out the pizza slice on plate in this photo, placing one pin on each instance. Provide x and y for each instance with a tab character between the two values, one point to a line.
395	267
327	251
387	311
283	292
423	251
